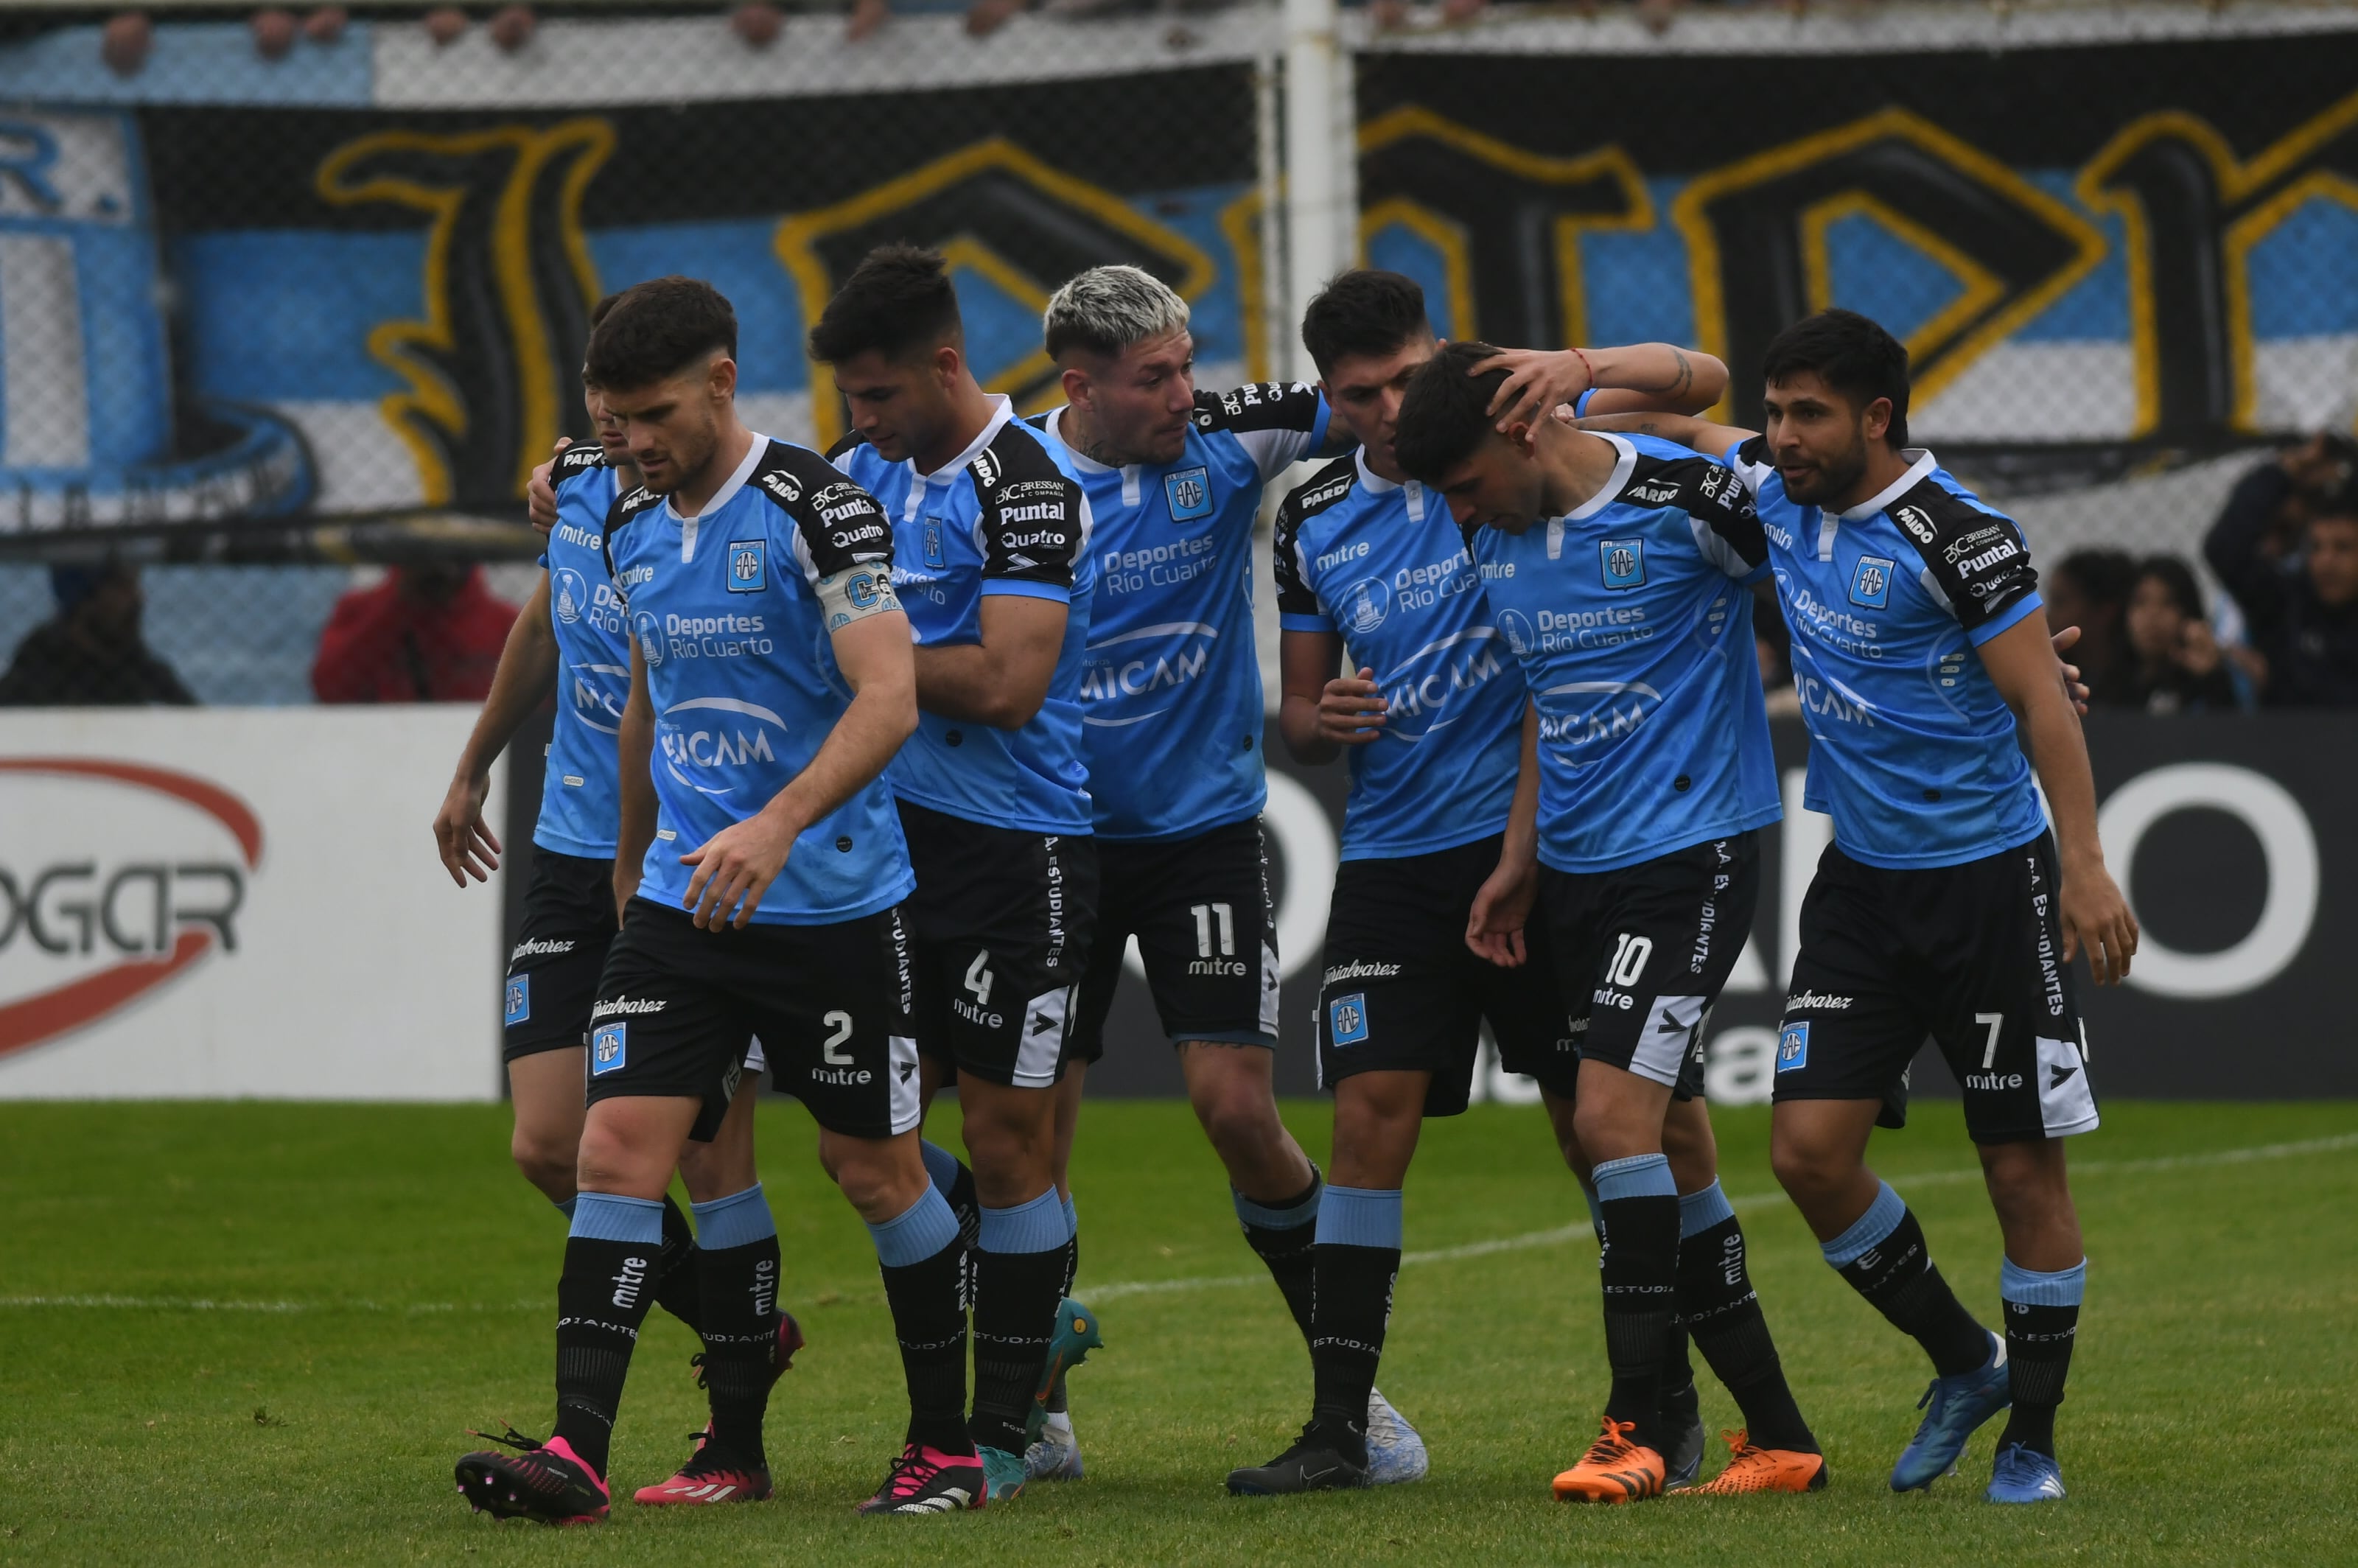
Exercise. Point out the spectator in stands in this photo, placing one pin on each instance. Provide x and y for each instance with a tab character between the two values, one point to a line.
2286	546
90	653
427	633
2176	664
2090	590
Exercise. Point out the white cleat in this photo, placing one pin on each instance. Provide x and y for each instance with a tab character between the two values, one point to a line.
1395	1452
1055	1453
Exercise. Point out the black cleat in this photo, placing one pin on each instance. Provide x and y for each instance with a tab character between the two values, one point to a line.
1319	1461
1681	1427
544	1481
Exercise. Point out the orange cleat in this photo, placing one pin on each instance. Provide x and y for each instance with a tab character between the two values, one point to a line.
1751	1469
1614	1470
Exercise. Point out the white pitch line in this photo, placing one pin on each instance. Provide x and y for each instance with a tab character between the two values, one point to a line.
1555	1236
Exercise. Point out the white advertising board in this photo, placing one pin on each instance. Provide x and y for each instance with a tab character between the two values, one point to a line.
230	902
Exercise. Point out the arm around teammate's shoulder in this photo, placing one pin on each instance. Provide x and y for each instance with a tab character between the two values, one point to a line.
1713	441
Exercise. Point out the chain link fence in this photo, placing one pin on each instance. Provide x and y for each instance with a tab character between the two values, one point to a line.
280	329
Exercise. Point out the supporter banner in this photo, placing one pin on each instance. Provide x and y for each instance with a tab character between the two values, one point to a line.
238	903
2097	253
2232	835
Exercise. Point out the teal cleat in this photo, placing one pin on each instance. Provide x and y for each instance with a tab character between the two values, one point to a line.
1003	1473
1959	1405
2024	1476
1074	1337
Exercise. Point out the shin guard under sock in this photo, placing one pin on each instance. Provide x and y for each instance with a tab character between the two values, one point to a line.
1884	1256
2042	1319
1639	1273
738	1254
679	1285
1355	1265
1285	1236
1018	1284
923	1265
602	1298
1722	1312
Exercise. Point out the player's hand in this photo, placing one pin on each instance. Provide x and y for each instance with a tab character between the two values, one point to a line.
2064	642
468	846
540	496
1351	711
2096	917
734	868
1494	929
1536	379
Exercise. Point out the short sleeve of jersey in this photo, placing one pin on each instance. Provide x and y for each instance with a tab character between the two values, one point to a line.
1298	608
1727	526
1749	459
626	505
1033	517
837	525
1279	423
1975	562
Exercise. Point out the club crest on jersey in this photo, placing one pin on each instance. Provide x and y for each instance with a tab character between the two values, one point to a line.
749	566
519	1001
1624	562
1366	603
1190	494
609	1049
649	632
930	542
1793	1047
1870	583
1346	1019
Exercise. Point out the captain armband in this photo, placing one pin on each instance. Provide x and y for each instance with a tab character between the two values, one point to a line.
856	593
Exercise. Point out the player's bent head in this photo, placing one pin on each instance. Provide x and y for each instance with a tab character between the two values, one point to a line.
1835	384
896	344
662	370
1119	334
608	428
1449	441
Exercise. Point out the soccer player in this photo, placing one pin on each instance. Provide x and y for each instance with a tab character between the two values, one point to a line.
1172	712
1618	569
990	539
760	867
1945	906
1368	563
572	631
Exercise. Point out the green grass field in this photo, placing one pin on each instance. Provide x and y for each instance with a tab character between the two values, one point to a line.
254	1334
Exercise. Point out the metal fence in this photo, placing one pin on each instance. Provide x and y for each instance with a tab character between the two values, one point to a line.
268	322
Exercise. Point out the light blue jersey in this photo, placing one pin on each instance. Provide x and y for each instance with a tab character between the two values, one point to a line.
1006	516
578	808
1384	566
1632	619
1171	693
1912	751
741	670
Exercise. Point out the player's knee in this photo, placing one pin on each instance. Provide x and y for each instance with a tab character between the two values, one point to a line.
1802	1168
1238	1121
547	1162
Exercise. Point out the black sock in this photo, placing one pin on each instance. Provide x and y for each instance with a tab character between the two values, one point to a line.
1896	1276
1722	1312
678	1285
1285	1236
740	1339
1682	1402
928	1302
1640	1274
602	1298
1059	1397
2042	1320
1015	1299
1351	1306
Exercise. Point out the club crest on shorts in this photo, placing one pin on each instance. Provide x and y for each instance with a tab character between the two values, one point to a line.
749	566
1190	494
1793	1047
609	1049
1870	582
519	1001
1624	562
1346	1019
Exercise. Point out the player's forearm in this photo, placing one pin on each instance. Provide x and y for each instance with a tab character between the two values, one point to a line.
883	714
1686	381
525	675
634	743
1711	441
972	682
1521	844
2059	754
1297	725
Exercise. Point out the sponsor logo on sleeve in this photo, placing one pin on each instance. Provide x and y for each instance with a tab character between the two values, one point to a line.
1189	490
1654	494
1917	520
783	485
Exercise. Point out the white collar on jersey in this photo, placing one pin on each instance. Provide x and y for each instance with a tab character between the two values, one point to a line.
1921	464
720	498
1377	485
1606	493
1002	409
1130	490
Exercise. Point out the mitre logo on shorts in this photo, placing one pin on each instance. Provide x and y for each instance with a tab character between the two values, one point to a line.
115	878
1360	970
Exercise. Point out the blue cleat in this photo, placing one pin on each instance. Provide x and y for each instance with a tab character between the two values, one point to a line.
1002	1475
1959	1405
2024	1476
1396	1452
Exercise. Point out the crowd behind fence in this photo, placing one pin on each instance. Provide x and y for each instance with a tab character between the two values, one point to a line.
287	318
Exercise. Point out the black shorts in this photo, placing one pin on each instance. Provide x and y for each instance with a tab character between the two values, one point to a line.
1971	955
1643	952
1200	910
569	920
1401	991
677	1008
999	929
